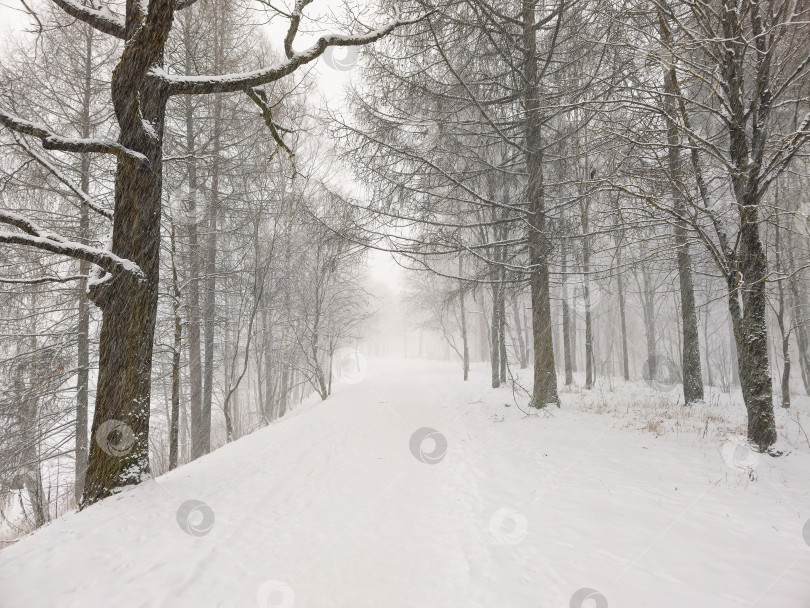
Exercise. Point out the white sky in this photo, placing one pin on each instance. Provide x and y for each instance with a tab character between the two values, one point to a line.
12	19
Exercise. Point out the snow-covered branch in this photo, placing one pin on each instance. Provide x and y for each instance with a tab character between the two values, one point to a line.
231	83
39	238
142	50
102	19
61	176
52	141
42	280
259	97
295	21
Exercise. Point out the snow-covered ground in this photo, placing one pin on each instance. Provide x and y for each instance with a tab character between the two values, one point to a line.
350	502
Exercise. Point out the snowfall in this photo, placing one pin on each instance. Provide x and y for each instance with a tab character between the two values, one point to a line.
411	488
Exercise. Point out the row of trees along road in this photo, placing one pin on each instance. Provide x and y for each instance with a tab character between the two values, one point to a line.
627	131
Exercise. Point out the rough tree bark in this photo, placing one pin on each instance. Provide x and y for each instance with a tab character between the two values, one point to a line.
129	303
545	377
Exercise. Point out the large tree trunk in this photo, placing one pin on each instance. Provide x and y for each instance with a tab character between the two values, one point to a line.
747	277
748	306
119	453
545	377
754	367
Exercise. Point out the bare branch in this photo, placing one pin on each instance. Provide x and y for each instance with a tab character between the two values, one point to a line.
51	141
102	19
43	280
61	177
259	97
295	21
39	238
232	83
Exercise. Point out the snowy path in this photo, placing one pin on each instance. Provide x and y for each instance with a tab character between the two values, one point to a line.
520	512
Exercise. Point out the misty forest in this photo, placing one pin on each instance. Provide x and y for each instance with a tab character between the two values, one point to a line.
481	303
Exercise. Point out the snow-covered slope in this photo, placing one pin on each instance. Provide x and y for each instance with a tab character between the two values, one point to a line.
341	504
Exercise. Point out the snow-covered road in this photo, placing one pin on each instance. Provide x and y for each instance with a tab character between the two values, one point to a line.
336	506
